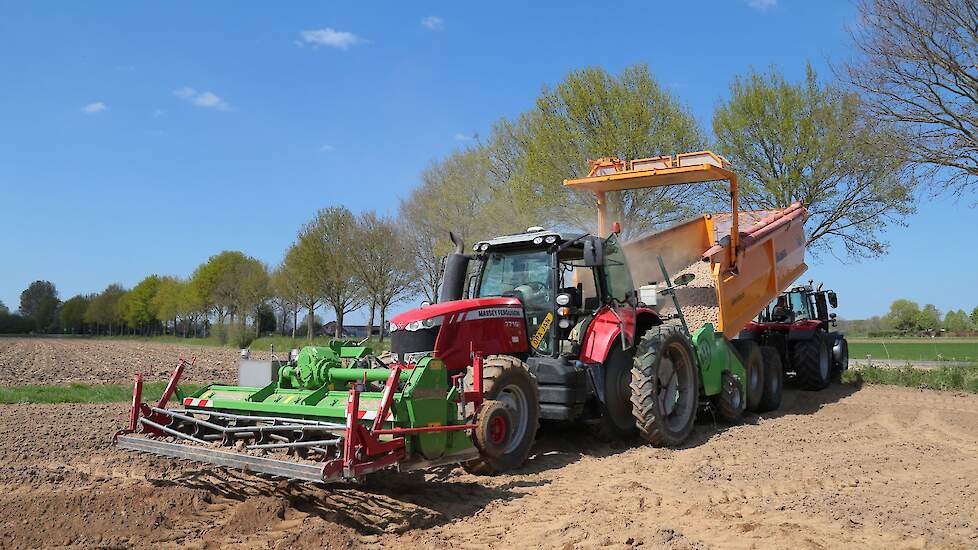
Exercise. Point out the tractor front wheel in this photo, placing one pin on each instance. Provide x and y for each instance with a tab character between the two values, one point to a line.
507	381
664	387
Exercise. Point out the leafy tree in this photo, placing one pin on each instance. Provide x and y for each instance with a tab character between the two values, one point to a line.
957	321
3	308
917	69
330	248
904	316
301	281
230	283
386	272
461	194
39	302
930	318
104	309
138	306
73	313
593	114
265	319
974	316
814	144
170	301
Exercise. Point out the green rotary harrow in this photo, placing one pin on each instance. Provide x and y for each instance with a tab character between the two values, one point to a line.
330	413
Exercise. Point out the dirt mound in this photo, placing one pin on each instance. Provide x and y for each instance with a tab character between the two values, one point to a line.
879	467
698	299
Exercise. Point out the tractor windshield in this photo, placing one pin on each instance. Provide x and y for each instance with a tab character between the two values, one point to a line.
529	273
800	306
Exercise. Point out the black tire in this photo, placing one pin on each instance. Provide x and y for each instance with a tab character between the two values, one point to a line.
812	362
506	379
840	364
730	402
773	379
664	387
750	355
616	420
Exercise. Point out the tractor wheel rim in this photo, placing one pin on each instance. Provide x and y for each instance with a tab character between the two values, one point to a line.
515	400
669	392
497	430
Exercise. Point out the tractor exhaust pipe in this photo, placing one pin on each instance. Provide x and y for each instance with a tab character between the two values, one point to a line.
456	266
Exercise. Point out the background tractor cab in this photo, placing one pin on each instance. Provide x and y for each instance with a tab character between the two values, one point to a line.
798	324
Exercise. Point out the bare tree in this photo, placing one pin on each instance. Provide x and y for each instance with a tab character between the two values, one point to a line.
919	68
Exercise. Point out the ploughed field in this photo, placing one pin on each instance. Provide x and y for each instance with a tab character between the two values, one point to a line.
876	467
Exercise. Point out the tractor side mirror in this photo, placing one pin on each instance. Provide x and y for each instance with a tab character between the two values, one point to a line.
683	279
833	299
593	252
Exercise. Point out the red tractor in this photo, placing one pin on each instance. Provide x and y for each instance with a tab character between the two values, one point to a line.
799	326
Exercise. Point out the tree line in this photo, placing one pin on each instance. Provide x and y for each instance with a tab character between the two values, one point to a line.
853	149
907	318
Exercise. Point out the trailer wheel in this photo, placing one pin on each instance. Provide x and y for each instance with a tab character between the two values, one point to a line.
506	379
812	362
750	353
664	388
773	379
730	402
616	421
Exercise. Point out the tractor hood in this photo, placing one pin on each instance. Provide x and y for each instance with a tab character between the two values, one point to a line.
487	307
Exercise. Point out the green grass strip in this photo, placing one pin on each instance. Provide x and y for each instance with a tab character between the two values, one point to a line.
943	378
82	393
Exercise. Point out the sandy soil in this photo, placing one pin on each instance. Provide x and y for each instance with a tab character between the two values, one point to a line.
877	467
63	360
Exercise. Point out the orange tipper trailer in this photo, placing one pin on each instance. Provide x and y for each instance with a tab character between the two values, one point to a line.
753	256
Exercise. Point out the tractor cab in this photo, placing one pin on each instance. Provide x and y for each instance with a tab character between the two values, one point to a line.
800	304
561	280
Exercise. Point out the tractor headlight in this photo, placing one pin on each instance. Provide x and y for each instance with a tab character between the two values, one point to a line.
537	240
430	322
563	311
391	327
563	299
564	323
483	247
551	239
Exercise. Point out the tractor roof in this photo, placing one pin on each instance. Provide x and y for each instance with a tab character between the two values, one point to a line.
527	237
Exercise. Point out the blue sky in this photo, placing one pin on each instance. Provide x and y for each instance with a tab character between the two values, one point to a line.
141	138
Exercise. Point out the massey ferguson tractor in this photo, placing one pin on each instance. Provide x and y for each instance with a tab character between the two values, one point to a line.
799	326
541	325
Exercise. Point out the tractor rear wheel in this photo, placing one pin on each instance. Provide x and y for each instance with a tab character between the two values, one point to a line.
730	402
812	362
773	379
506	379
616	421
750	354
664	387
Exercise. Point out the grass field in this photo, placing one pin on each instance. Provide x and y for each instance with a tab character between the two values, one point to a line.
83	393
943	378
921	349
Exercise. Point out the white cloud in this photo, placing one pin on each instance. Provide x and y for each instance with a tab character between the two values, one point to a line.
464	137
93	108
330	37
207	100
762	5
326	148
433	22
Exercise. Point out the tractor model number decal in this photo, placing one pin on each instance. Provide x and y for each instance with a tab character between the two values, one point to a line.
493	313
542	331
